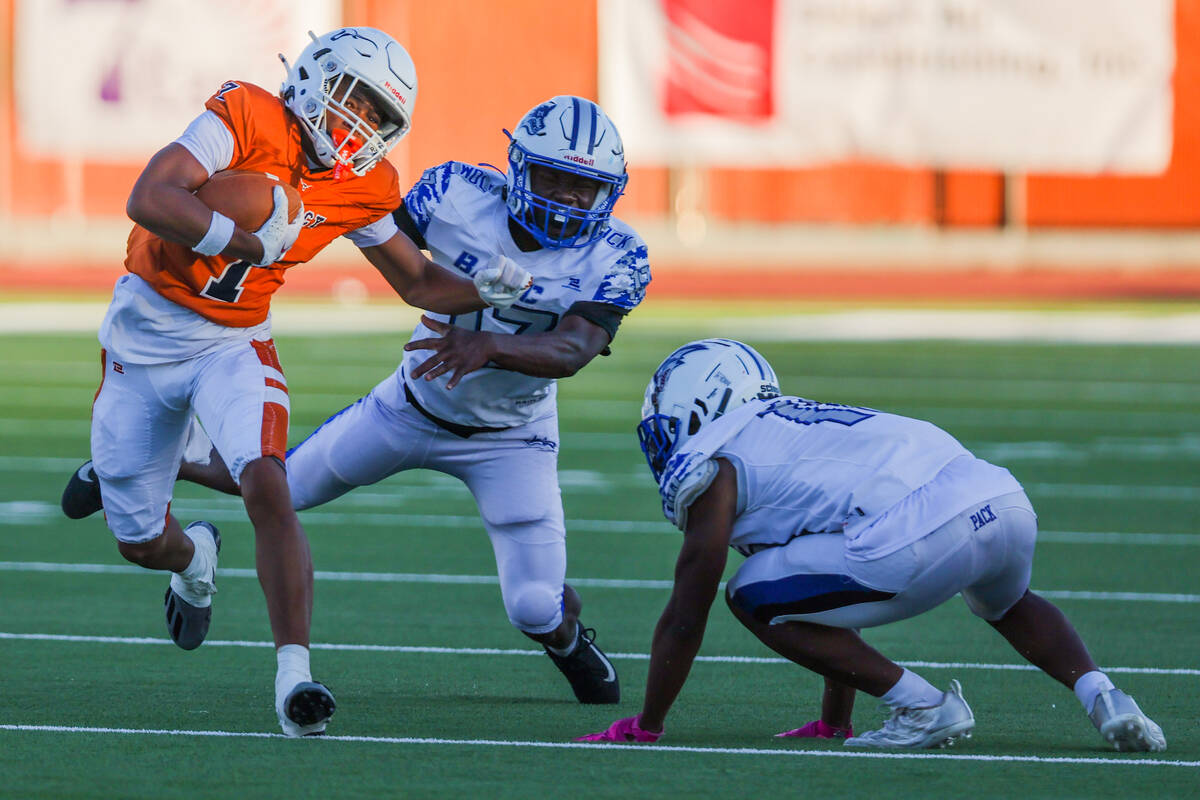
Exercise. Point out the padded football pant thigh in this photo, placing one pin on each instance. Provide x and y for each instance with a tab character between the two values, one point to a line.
139	426
241	399
359	445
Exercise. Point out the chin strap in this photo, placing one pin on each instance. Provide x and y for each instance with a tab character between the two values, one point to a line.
347	146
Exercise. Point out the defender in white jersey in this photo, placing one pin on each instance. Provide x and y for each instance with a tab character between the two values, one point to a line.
475	394
849	518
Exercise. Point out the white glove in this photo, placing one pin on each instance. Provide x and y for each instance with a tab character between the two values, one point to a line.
277	234
502	281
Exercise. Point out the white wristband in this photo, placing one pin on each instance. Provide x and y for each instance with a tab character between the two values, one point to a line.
220	231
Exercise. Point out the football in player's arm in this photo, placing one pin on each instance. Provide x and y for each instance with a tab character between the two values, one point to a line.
188	330
849	518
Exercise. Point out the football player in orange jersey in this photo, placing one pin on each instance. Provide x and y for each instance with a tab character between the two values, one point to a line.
188	330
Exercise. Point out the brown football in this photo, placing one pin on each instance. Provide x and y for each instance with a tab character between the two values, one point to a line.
245	197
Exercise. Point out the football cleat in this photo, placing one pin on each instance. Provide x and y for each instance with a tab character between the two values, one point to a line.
1122	723
306	709
588	670
81	498
188	603
931	726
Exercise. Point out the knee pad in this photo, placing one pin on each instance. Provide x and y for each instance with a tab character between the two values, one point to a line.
536	608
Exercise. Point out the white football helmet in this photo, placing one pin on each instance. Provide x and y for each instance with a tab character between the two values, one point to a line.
693	386
333	66
573	135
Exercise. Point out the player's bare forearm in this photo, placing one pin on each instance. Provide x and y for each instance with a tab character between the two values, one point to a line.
555	354
677	639
680	630
559	353
442	292
162	201
420	282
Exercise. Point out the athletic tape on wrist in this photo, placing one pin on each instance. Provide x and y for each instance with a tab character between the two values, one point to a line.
220	231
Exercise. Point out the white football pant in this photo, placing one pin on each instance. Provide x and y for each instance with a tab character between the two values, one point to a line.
141	417
513	475
986	553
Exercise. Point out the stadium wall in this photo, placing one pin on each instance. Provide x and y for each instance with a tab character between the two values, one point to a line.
481	64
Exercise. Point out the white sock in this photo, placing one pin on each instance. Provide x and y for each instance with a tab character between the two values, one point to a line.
200	564
566	651
912	691
1089	686
293	668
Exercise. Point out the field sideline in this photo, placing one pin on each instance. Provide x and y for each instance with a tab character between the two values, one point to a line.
1047	321
438	696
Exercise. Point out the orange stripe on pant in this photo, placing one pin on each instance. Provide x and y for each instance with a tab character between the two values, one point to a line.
275	416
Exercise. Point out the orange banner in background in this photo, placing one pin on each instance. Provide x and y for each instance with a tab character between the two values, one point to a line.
482	64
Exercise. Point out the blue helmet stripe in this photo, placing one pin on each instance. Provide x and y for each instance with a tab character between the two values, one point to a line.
762	372
592	131
575	123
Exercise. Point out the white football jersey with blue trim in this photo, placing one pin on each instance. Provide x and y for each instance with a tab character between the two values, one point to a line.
808	467
460	211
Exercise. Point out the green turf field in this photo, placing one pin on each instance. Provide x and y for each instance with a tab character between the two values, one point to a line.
439	696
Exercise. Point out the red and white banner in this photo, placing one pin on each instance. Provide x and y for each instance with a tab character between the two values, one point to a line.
1020	85
118	79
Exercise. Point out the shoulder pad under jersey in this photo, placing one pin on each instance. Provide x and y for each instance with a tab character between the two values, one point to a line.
436	183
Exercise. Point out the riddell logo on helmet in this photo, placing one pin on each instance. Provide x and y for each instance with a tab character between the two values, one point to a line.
580	159
393	90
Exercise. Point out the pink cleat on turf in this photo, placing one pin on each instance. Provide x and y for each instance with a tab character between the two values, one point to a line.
628	729
817	730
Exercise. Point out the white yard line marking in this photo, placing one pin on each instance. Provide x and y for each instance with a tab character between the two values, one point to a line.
493	651
598	583
226	509
668	748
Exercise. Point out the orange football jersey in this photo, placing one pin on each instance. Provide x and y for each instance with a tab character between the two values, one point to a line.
267	138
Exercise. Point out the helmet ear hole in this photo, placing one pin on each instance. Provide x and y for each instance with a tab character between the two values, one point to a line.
693	424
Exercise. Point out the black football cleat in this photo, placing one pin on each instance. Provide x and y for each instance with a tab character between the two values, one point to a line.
189	603
82	498
590	673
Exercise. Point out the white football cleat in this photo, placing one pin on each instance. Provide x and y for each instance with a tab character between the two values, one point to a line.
1121	722
932	726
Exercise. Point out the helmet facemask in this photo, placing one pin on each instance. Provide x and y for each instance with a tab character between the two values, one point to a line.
657	435
343	138
551	223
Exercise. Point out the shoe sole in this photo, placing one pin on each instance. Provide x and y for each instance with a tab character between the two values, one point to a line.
309	704
945	737
1128	734
187	624
955	734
